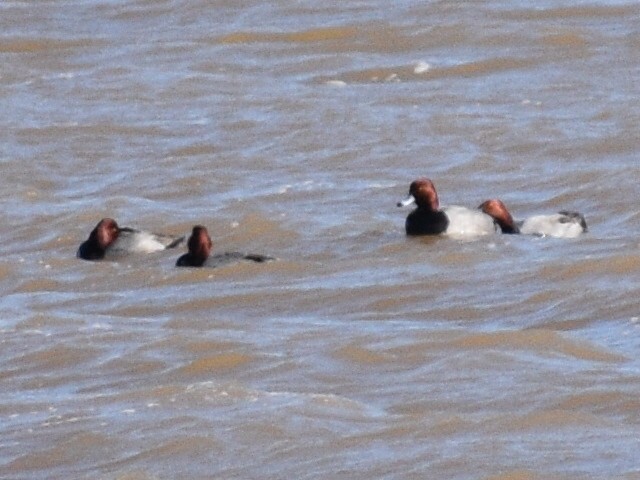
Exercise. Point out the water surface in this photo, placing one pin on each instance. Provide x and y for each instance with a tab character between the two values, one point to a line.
292	129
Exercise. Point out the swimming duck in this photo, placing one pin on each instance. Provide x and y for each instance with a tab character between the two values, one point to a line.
108	239
564	224
200	246
429	219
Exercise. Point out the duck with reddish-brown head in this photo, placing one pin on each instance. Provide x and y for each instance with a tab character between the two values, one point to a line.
429	219
199	254
564	224
109	240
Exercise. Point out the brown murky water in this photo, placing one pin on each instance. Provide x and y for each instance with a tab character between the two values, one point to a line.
292	128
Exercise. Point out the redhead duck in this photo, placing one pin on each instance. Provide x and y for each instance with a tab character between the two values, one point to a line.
563	224
200	245
108	239
429	219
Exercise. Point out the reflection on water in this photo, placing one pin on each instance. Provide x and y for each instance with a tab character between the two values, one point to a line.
360	353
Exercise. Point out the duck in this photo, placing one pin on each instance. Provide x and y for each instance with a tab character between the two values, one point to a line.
429	219
199	254
564	224
108	239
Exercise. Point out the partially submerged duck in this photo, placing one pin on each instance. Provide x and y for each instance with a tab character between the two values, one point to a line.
199	254
564	224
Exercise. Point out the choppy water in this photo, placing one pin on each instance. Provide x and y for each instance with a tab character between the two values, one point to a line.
292	128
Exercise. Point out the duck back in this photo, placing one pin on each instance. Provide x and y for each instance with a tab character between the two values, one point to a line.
466	222
561	225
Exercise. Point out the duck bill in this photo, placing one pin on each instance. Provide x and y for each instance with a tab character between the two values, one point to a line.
410	200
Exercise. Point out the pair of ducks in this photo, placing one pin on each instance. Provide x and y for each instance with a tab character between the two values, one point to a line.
108	239
429	219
